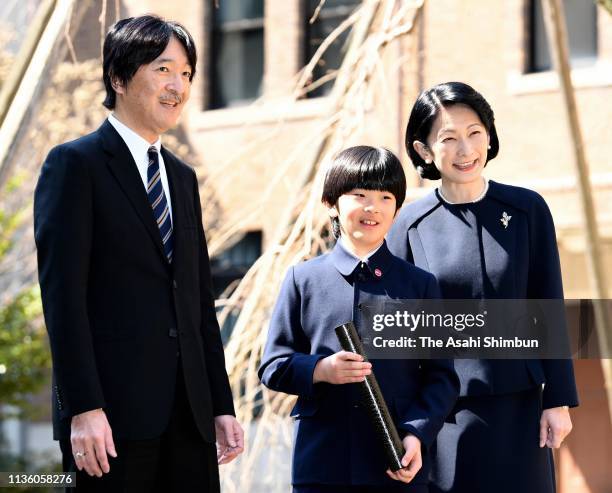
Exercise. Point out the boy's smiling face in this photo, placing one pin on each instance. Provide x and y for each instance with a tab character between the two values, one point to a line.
365	218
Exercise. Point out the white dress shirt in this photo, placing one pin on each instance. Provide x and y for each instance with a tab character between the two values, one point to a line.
365	257
139	148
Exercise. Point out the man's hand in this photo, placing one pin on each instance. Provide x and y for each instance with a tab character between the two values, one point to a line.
411	461
230	438
341	367
91	438
555	425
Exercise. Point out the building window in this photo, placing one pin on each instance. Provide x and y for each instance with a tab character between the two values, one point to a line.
330	16
237	51
581	19
231	265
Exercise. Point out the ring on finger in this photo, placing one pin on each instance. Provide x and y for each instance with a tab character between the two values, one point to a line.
79	455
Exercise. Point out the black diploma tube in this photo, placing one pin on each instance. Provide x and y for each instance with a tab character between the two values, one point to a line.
373	400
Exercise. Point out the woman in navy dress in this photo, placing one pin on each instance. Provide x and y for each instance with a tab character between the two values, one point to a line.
336	449
482	239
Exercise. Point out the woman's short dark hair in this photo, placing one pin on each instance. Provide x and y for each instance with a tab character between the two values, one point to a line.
426	109
137	41
369	168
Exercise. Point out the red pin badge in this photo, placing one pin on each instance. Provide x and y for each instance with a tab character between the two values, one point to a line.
377	272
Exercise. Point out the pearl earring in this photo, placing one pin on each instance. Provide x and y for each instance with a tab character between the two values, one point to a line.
489	147
332	212
428	161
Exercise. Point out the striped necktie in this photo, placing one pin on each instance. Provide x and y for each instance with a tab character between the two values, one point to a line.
159	204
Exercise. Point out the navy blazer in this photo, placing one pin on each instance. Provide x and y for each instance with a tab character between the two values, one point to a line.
475	254
335	443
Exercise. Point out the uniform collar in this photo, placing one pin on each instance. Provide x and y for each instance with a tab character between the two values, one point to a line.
346	263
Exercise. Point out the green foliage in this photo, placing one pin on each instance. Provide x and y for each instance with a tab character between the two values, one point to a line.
24	353
8	224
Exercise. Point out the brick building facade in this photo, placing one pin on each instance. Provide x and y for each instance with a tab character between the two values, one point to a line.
250	52
496	46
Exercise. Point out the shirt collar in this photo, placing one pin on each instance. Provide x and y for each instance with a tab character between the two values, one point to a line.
136	144
377	263
361	259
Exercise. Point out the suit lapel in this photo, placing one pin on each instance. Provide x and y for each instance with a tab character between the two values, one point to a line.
123	167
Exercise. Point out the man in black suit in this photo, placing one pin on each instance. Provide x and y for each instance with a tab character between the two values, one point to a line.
140	391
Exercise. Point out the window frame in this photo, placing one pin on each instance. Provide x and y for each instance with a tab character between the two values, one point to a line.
532	40
339	12
237	26
519	81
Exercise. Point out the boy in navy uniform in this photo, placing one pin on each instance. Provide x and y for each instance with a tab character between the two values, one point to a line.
336	448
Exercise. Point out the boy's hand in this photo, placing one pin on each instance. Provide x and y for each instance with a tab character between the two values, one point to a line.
341	367
411	461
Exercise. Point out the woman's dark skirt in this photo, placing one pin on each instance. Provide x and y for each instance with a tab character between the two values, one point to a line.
490	444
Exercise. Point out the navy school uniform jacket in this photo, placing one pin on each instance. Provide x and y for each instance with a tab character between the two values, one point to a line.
334	441
474	255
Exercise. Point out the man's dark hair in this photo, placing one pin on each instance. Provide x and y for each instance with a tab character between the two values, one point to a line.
137	41
369	168
426	109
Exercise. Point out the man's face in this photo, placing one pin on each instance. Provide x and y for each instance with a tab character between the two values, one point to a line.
152	101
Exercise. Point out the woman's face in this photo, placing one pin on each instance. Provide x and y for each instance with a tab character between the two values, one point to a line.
457	143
